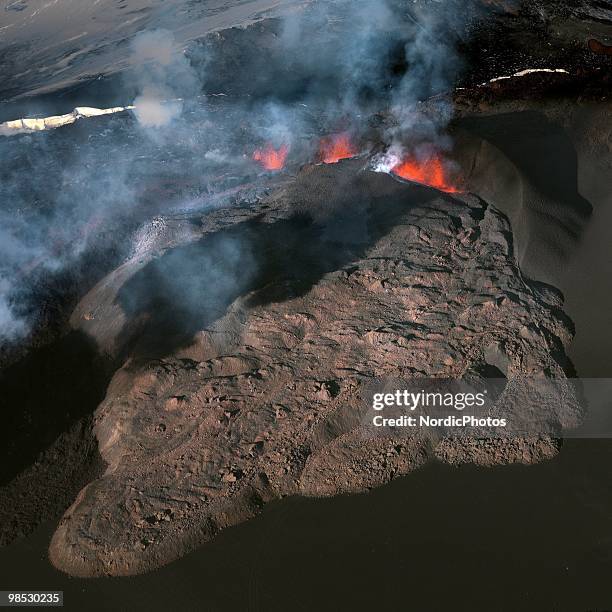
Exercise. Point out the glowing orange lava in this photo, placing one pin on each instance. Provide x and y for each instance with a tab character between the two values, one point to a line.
334	148
271	158
429	172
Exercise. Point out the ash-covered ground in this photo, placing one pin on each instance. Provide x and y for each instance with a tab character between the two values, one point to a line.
276	208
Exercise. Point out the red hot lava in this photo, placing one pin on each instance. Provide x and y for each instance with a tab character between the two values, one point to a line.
334	148
429	171
270	158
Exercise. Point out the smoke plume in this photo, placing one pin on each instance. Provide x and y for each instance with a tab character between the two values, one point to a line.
164	77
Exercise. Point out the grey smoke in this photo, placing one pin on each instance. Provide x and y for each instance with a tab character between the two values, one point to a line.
61	194
153	108
11	326
164	76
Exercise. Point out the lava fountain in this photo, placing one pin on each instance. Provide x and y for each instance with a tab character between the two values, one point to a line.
429	171
334	148
270	158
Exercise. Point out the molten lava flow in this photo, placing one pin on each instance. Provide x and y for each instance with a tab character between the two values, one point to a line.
335	148
271	158
429	171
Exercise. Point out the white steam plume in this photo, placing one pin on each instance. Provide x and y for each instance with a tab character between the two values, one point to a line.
163	75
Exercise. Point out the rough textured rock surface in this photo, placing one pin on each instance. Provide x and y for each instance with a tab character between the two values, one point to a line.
249	335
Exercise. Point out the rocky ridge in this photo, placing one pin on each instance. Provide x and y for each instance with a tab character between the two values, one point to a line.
248	337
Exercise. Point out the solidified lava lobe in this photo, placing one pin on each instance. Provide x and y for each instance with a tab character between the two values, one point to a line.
429	171
270	158
334	148
326	336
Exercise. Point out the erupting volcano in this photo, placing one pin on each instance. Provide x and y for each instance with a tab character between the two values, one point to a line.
429	171
270	158
334	148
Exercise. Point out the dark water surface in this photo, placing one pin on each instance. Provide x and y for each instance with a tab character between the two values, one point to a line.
443	538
